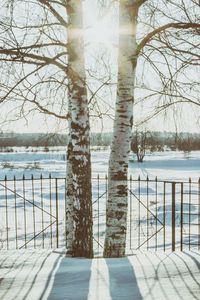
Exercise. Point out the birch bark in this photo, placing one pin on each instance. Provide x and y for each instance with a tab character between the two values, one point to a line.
79	196
116	209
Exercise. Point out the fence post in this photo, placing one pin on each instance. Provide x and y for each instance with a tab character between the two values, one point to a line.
182	216
24	197
147	181
199	213
57	232
164	200
130	195
98	209
173	215
139	218
6	198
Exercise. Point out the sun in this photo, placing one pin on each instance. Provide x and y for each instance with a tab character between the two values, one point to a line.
101	32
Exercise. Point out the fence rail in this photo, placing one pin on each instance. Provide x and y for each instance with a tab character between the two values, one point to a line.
161	214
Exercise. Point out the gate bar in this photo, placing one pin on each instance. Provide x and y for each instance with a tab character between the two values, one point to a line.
173	215
199	213
57	237
181	216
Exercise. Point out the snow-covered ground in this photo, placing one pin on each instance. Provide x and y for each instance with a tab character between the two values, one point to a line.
165	165
45	274
42	274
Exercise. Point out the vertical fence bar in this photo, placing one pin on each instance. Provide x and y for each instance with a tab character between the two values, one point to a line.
6	198
65	234
24	195
189	212
42	209
139	229
164	200
173	215
106	178
98	209
181	217
199	213
57	232
130	221
50	206
106	189
156	236
16	237
33	200
147	212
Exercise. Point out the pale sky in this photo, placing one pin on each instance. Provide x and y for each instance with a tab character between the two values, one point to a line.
102	34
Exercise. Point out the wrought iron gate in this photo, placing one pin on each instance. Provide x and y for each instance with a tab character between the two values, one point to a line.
161	214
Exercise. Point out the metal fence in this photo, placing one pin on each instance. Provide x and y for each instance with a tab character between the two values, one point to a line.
32	212
161	214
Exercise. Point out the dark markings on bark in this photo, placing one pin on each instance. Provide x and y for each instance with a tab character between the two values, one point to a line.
131	121
118	176
123	116
119	215
119	205
76	127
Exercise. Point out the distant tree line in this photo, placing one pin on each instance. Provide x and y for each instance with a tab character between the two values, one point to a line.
141	140
48	140
32	140
144	141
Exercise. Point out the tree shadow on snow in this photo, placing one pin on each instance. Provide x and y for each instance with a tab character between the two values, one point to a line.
71	280
123	282
83	279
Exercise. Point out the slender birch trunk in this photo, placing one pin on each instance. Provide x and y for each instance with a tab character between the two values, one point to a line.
79	195
69	190
116	210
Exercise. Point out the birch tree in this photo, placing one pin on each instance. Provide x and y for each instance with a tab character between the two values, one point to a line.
116	212
42	57
79	164
131	48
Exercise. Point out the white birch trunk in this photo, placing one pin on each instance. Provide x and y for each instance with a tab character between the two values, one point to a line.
69	190
116	210
79	164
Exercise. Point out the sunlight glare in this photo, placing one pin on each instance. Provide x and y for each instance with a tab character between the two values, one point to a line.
101	32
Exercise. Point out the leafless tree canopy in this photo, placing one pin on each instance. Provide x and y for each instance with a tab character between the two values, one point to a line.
33	57
169	53
34	60
33	49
